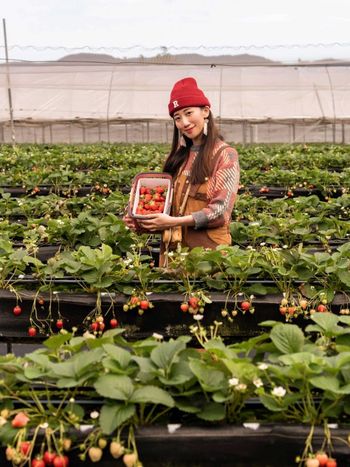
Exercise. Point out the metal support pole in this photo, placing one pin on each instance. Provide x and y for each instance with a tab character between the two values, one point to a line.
9	94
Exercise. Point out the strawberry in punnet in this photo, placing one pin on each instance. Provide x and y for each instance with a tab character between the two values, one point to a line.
151	199
20	420
17	310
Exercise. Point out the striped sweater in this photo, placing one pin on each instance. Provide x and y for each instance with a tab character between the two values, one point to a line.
221	189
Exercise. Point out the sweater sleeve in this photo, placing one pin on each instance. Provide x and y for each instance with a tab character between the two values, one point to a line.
221	193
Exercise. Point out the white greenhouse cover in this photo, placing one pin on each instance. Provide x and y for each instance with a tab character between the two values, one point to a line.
59	91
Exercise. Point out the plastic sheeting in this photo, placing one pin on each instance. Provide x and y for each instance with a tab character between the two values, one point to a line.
71	91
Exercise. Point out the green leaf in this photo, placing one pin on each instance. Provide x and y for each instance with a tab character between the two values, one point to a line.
344	276
118	354
87	360
8	434
153	395
165	353
327	383
113	416
210	379
212	412
56	341
271	403
257	289
185	405
116	387
33	372
145	364
288	338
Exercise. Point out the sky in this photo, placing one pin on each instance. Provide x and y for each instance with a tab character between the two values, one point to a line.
286	31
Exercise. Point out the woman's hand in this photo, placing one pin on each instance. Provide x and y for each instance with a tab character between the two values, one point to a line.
158	222
130	222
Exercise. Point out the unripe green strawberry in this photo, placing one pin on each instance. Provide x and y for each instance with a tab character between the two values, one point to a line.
102	442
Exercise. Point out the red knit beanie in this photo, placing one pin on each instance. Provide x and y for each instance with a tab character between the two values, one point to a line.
186	93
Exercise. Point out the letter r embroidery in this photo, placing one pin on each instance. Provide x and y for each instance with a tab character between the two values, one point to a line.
175	104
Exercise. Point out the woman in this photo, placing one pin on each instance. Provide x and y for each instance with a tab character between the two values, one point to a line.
205	172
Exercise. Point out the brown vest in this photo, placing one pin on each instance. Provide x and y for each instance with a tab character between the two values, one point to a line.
197	200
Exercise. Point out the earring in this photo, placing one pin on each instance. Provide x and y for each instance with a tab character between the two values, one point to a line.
182	140
205	127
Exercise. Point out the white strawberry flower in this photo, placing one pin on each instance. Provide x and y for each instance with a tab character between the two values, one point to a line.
241	387
278	391
157	336
233	382
263	366
258	382
197	317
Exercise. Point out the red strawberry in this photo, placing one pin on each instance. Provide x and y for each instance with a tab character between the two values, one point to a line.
322	458
113	323
49	457
144	304
184	307
245	306
38	462
94	326
20	420
193	301
32	331
17	310
331	462
134	300
59	324
321	308
25	447
61	461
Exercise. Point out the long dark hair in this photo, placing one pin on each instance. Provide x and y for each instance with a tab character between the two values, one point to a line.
202	166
